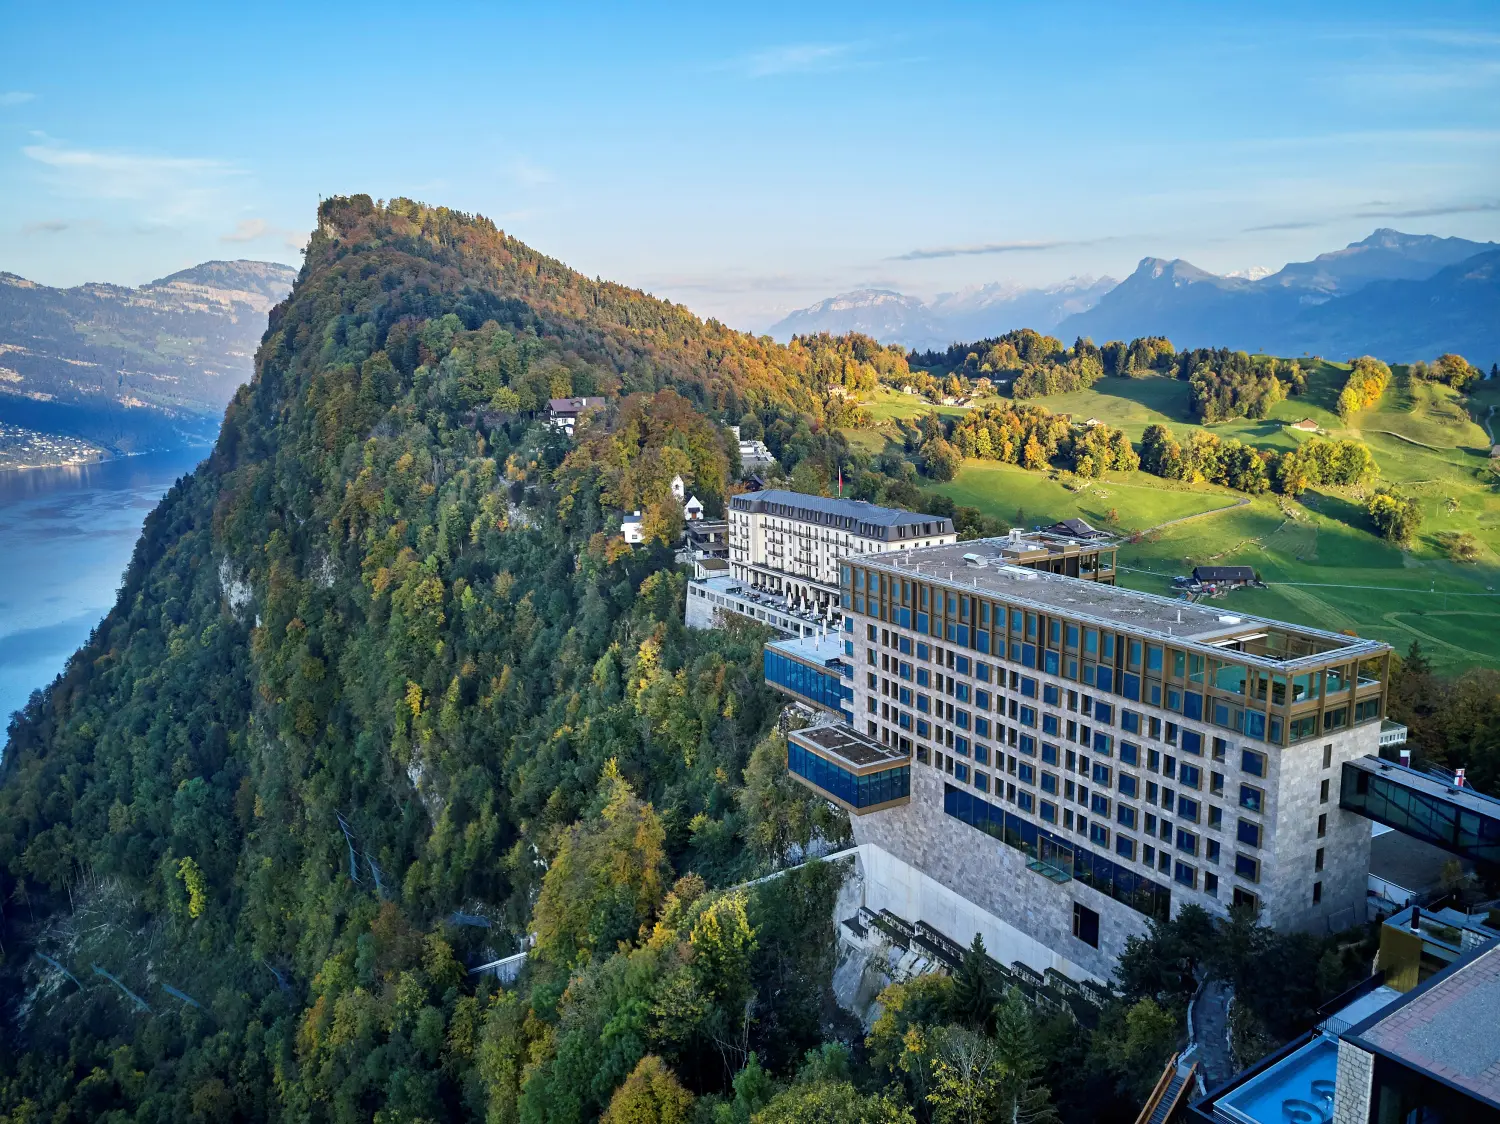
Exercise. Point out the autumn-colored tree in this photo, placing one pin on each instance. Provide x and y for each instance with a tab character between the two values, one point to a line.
650	1095
606	881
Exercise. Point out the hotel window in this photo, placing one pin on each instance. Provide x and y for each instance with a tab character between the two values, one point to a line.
1050	725
1086	925
1099	805
1051	695
982	700
1125	846
1189	776
960	771
1187	841
1049	754
1210	883
1253	763
1187	809
1101	774
1098	835
1186	875
981	753
1025	801
1251	798
1130	753
1211	850
1247	867
981	781
1049	782
1026	772
1129	786
1028	716
1247	900
1048	811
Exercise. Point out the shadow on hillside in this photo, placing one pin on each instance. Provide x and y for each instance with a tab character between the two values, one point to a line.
1341	510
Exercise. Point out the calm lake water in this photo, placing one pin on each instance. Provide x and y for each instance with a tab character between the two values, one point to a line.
66	536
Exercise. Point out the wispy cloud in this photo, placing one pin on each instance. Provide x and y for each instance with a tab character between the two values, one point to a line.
256	230
993	248
1429	212
173	187
247	230
1304	225
527	174
16	97
51	226
797	58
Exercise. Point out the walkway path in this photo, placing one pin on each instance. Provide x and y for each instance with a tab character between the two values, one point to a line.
1211	1033
1196	515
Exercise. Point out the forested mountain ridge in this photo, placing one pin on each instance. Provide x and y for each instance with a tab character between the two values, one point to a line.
376	664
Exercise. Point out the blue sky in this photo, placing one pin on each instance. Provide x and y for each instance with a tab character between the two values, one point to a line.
751	163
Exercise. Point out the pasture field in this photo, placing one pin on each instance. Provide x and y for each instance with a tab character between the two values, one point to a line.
1320	556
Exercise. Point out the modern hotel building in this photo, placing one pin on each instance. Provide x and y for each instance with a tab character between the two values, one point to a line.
1074	758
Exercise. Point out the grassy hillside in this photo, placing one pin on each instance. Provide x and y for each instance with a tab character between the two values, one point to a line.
1321	557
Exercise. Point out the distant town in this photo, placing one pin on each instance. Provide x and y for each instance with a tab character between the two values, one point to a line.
26	448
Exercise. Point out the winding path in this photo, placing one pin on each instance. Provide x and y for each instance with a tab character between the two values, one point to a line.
1196	515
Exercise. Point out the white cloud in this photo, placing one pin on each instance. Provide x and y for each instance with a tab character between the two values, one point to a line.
797	58
172	187
527	174
256	230
16	97
247	230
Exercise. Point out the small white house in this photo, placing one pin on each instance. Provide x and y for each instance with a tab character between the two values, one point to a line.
631	528
679	489
693	509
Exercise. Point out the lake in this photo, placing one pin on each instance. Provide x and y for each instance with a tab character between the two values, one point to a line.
66	536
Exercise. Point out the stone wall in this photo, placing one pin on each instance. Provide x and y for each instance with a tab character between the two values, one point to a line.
1351	1098
987	878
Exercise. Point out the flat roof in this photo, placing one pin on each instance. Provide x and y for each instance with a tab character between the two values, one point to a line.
817	650
980	566
1469	799
849	746
1446	1027
858	510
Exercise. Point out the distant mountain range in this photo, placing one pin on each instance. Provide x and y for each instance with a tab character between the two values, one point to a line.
134	369
970	314
1399	296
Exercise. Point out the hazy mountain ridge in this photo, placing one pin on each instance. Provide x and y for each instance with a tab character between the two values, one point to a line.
1320	306
971	313
134	368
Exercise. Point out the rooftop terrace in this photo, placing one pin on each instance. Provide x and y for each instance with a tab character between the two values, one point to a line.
982	566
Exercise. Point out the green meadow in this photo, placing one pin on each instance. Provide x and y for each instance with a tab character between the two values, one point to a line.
1323	562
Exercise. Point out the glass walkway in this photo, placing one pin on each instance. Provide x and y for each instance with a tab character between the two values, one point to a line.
1425	807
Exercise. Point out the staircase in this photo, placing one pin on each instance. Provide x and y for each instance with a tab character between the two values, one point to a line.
1171	1091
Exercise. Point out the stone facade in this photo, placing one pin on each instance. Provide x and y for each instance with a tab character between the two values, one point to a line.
1351	1100
994	877
1289	864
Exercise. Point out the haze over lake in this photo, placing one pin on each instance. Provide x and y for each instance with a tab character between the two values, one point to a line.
66	536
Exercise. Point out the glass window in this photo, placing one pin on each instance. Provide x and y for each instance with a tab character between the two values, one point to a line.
1129	786
1247	867
1248	833
1251	798
1253	763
